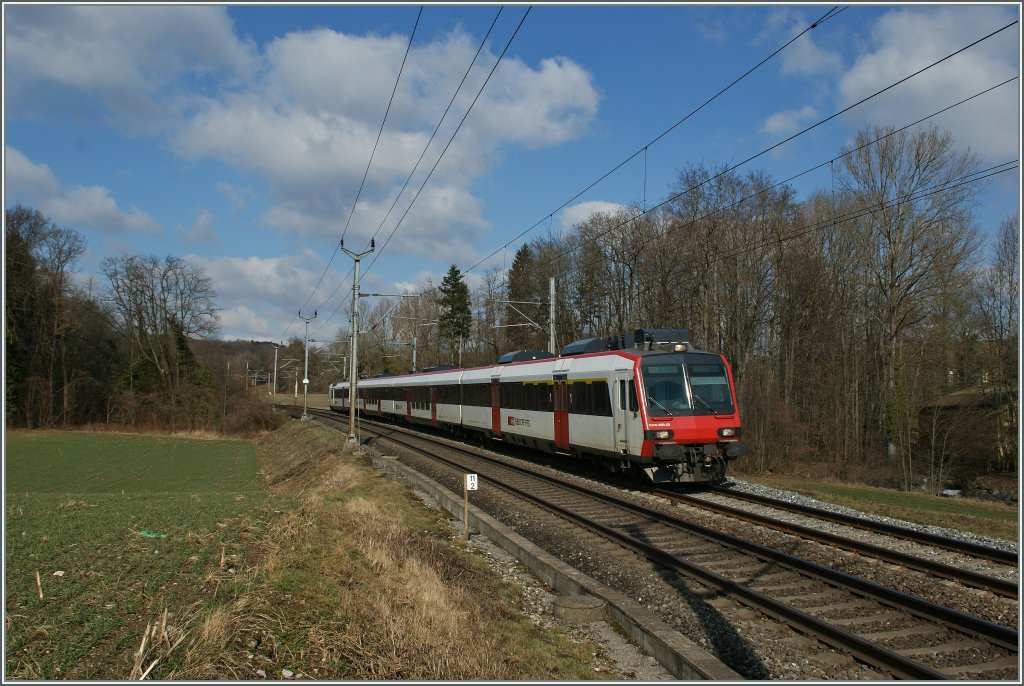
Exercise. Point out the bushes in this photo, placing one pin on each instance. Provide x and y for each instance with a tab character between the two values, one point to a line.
248	416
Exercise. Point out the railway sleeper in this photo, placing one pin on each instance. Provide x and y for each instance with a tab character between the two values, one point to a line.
826	609
877	618
919	630
821	597
782	588
1005	664
954	647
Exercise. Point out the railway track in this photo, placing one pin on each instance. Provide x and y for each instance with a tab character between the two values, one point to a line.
922	537
852	615
1000	586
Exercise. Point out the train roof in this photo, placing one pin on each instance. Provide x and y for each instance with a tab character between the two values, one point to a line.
641	342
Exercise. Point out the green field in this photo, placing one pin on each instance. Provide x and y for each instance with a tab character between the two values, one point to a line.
136	524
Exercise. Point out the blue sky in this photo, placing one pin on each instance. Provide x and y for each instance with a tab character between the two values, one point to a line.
237	136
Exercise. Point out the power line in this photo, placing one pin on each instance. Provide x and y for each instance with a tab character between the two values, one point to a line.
949	185
455	94
439	122
447	145
831	13
834	11
643	149
441	156
775	185
770	148
380	131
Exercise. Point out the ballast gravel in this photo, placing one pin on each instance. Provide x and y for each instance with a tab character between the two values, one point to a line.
755	647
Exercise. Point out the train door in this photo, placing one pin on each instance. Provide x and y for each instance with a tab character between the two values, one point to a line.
561	412
408	403
623	413
495	407
433	405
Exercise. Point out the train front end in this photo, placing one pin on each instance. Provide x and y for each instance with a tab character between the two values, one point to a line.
691	420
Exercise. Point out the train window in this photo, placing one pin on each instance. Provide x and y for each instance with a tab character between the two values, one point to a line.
665	388
478	395
536	394
710	387
634	402
602	402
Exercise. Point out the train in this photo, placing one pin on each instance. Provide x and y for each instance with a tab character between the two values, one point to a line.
646	405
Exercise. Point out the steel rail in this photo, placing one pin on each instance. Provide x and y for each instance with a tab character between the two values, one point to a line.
997	634
973	549
1001	587
868	651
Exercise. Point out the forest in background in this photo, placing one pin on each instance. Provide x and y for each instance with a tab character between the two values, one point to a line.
871	335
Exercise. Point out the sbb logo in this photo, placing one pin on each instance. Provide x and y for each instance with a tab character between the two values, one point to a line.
511	421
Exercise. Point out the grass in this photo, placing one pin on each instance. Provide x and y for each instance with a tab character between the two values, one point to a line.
192	559
119	528
405	601
988	519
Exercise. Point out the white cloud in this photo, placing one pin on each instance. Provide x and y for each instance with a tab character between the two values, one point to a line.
905	40
241	323
804	57
576	214
238	195
789	121
22	176
119	58
273	280
315	111
80	207
202	230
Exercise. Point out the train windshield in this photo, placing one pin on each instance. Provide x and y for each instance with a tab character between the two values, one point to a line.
669	394
665	385
710	387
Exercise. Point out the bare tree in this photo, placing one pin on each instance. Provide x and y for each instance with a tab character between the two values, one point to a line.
997	297
914	240
159	306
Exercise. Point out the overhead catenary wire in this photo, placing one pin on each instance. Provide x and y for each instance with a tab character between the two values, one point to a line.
452	138
380	131
859	212
790	138
441	156
440	121
775	185
831	13
775	145
834	11
373	152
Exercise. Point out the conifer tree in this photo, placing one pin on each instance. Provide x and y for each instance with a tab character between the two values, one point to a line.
455	320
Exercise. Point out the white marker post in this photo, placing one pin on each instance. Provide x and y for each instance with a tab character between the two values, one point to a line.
468	485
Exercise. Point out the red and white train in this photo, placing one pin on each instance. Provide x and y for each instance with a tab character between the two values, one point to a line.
644	404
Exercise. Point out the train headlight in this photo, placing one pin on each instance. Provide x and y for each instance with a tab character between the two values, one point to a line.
659	434
730	432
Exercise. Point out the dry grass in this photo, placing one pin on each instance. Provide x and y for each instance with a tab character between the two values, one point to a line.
363	582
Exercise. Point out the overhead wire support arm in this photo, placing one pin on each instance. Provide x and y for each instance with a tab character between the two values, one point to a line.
305	373
354	347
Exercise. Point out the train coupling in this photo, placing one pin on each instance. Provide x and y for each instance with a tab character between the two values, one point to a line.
736	449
